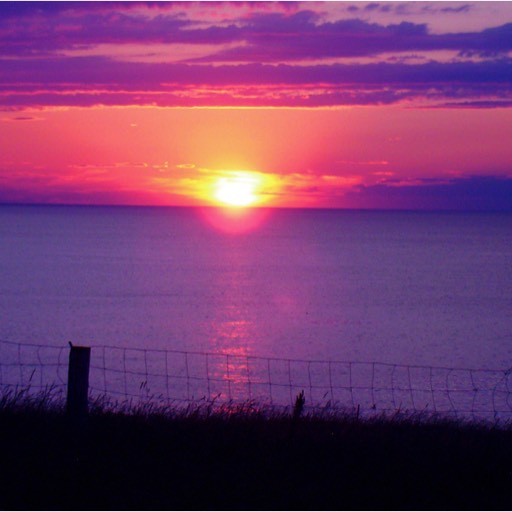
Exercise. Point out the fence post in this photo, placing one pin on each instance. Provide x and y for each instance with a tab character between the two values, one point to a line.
78	381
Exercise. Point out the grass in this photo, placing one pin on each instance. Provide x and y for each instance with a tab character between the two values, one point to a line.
245	458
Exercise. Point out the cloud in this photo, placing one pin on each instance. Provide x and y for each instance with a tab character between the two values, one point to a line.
90	81
281	35
278	38
363	162
250	55
21	118
484	104
458	9
90	186
486	193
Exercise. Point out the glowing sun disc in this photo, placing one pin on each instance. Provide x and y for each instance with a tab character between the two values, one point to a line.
236	191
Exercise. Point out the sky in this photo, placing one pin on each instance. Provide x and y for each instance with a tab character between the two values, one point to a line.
393	105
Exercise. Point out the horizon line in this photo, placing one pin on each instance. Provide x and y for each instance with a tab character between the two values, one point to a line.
214	207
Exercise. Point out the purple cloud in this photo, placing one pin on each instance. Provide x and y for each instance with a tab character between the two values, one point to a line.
265	67
23	118
458	9
274	37
266	36
90	72
485	193
97	80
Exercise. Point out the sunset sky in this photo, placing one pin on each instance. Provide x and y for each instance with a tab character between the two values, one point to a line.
304	104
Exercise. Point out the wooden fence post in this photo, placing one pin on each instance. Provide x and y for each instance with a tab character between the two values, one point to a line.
78	381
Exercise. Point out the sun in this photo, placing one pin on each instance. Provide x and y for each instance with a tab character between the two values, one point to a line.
238	191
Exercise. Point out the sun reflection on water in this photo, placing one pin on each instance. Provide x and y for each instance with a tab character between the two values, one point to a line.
233	327
235	220
233	340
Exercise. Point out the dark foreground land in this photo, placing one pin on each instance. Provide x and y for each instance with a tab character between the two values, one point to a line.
248	461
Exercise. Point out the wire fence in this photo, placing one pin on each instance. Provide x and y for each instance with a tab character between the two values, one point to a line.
179	378
33	367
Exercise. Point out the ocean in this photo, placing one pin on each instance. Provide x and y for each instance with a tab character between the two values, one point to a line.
430	288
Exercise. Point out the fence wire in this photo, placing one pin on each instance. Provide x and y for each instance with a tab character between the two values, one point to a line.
32	367
179	378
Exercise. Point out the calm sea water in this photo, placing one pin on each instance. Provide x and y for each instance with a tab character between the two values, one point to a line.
398	287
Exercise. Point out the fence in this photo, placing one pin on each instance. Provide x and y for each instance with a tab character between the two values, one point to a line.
179	378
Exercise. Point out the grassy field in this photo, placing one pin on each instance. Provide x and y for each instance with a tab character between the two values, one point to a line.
247	460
